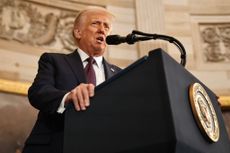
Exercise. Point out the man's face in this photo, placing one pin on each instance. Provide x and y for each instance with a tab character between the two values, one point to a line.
92	31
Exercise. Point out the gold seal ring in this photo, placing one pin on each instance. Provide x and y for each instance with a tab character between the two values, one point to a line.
204	112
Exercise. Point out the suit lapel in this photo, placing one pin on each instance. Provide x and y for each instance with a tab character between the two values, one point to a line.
109	70
76	65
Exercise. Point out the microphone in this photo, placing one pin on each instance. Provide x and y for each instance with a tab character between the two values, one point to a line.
129	39
132	38
115	39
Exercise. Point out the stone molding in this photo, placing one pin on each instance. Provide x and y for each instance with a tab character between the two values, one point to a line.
216	42
37	25
211	39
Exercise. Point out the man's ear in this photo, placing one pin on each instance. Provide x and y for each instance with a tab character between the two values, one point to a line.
77	33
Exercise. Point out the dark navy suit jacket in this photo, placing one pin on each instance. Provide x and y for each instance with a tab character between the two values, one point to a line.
57	75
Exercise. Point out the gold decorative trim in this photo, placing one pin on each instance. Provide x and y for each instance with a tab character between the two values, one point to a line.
21	88
14	87
224	102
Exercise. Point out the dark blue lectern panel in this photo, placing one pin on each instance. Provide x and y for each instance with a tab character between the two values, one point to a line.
143	109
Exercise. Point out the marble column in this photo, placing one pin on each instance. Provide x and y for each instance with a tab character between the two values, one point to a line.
150	19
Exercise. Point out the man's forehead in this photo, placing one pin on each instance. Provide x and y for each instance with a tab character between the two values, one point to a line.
99	15
100	18
95	14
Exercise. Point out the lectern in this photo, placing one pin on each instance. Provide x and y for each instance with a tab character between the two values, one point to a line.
146	108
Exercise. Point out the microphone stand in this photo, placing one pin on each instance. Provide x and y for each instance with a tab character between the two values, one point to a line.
134	38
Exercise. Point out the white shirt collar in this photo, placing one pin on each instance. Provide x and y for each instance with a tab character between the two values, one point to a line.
84	56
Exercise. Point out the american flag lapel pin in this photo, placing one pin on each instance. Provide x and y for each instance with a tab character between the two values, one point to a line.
112	69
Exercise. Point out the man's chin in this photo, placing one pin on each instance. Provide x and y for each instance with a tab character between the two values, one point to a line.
99	51
100	48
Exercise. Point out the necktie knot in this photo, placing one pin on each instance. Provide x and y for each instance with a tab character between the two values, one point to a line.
90	60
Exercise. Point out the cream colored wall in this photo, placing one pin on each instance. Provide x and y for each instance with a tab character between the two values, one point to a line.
30	27
186	20
182	19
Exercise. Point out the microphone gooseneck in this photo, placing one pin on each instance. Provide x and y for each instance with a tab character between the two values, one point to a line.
132	38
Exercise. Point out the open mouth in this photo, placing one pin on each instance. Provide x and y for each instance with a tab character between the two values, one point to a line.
100	39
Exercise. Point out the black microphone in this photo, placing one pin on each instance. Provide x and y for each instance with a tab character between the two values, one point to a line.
129	39
115	39
132	38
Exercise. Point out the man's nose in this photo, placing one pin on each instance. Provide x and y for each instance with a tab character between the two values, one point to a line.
102	29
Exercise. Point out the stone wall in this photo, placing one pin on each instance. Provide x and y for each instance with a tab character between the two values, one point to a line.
17	117
30	27
203	27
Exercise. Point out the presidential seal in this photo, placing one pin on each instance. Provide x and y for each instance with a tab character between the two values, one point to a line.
204	112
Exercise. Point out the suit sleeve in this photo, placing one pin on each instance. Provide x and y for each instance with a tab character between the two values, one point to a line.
43	94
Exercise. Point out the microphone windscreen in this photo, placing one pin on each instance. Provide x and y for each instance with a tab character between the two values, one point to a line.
113	40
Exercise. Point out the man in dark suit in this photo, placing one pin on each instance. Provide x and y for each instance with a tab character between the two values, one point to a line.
61	79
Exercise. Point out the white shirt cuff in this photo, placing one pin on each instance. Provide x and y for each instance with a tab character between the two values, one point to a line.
61	107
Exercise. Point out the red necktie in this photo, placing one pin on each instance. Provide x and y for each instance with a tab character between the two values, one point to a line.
89	71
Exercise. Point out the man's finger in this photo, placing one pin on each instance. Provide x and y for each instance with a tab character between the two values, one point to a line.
85	94
80	98
75	100
91	88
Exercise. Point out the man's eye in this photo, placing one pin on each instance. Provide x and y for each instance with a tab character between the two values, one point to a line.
107	26
95	23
